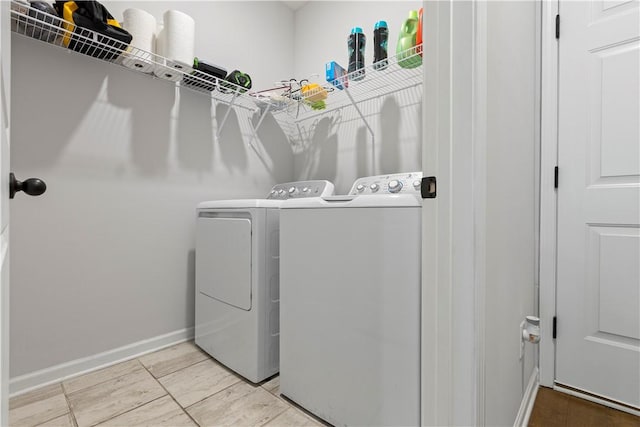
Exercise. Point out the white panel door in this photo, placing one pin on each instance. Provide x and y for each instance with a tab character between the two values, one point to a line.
598	284
5	86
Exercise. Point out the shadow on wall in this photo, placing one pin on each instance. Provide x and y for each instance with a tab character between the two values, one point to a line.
191	287
52	106
276	146
233	152
363	152
321	154
418	146
389	161
150	104
195	132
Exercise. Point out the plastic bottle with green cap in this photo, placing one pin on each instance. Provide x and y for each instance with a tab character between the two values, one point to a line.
356	44
407	55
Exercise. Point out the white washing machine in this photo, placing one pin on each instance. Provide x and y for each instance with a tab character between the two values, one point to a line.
350	278
237	278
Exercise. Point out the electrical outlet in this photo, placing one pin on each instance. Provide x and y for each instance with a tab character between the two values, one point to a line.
521	340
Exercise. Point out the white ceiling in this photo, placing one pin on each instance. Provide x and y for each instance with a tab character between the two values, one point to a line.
295	4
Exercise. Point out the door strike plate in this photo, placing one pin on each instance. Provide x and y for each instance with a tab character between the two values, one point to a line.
428	187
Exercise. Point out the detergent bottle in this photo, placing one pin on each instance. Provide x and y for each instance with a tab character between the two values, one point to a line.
407	56
356	44
380	40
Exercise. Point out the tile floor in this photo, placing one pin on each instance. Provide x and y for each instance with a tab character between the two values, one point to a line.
177	386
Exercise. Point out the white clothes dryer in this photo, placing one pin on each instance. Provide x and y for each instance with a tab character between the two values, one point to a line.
237	278
350	278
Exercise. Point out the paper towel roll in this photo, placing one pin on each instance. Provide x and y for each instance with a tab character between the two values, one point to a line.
179	38
142	26
161	70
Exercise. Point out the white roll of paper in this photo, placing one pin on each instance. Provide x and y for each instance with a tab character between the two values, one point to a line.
161	69
142	27
179	39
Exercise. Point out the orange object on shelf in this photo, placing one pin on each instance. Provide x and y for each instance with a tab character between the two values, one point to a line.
313	92
419	33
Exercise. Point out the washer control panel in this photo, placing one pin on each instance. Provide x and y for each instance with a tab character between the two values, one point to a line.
301	189
388	184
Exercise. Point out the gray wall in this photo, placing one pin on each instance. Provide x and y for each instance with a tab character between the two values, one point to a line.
512	153
337	146
105	257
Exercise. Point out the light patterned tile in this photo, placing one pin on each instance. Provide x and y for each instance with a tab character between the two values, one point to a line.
240	405
173	359
293	418
38	406
192	384
97	377
273	385
63	421
108	399
159	413
35	395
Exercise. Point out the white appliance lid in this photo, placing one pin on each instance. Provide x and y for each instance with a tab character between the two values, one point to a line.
362	201
240	204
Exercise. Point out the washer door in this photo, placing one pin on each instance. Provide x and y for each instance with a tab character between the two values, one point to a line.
223	260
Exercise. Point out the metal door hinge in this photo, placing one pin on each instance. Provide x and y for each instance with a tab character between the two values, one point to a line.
557	26
555	177
555	327
428	187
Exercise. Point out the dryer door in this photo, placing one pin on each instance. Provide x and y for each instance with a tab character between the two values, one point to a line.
223	260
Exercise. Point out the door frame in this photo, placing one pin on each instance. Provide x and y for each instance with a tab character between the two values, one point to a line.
5	128
548	247
454	247
548	193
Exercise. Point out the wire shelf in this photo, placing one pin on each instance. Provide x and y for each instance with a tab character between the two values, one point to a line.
289	103
374	81
34	23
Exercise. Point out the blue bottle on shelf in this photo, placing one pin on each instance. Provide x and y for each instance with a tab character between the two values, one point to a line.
356	44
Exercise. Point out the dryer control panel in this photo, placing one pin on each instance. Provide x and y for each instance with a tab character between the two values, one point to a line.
388	184
301	189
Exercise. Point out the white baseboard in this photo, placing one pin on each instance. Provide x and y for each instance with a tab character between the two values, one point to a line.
64	371
528	400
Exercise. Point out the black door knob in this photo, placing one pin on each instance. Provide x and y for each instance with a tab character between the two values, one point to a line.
31	186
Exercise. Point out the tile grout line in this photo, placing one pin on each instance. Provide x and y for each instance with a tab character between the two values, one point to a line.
98	370
240	380
299	408
214	394
170	395
102	382
274	418
69	412
127	411
66	397
178	370
126	373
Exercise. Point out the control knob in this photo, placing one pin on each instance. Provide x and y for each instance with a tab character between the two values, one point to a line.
281	192
395	186
306	189
374	187
292	191
360	188
416	184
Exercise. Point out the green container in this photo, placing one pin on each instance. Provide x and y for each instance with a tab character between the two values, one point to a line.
407	55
